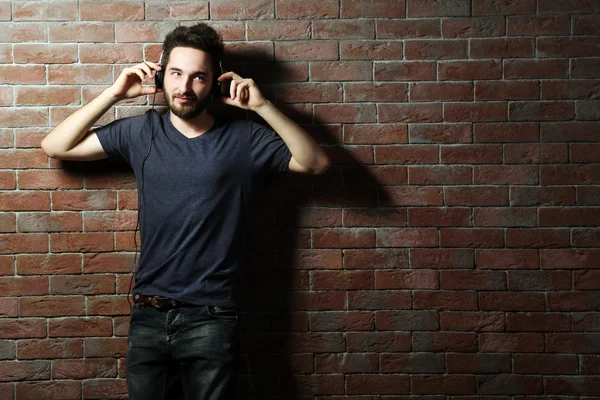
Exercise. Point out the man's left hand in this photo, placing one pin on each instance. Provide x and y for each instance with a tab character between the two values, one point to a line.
244	92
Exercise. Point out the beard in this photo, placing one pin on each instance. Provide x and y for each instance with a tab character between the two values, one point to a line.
188	110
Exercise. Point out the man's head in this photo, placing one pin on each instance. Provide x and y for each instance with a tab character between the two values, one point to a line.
190	62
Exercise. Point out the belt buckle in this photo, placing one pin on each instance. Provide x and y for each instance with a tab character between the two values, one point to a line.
158	302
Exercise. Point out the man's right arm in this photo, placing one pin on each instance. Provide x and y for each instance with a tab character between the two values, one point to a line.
72	138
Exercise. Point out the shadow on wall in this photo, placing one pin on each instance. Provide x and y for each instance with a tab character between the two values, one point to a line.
280	341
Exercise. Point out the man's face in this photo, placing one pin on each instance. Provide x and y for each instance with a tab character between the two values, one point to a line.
187	82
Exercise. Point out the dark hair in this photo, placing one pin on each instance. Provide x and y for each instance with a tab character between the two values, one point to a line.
200	36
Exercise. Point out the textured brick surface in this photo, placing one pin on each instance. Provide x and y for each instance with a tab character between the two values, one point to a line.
451	252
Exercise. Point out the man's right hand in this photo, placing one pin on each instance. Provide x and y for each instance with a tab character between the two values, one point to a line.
130	82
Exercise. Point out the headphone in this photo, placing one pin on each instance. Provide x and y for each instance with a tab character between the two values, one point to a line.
159	77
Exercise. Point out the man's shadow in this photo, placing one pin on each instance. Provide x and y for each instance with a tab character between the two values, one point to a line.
278	348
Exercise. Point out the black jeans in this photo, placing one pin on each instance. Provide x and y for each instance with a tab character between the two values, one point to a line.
185	352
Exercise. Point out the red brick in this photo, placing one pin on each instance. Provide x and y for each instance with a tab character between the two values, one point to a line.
181	10
48	264
494	7
569	217
49	222
306	51
346	363
569	174
475	112
507	259
406	154
345	29
23	243
370	50
509	384
18	118
444	300
86	368
570	132
447	175
380	383
545	364
574	89
470	70
536	154
471	154
431	112
436	384
7	180
22	159
568	47
585	68
375	92
378	300
110	53
476	196
394	29
478	363
22	328
278	30
105	347
49	348
538	26
572	342
433	8
442	258
439	217
22	74
52	306
319	301
8	222
341	321
590	364
69	242
373	9
572	385
538	322
441	91
341	71
41	10
520	69
87	200
375	133
406	279
539	280
407	237
51	390
24	32
511	342
375	259
586	25
586	322
541	111
472	321
587	111
585	237
473	27
499	47
567	7
573	301
547	196
108	305
516	90
114	11
511	301
49	180
440	133
126	32
104	388
435	49
341	280
23	285
79	74
444	341
45	53
413	363
81	32
75	327
345	113
476	280
405	71
82	284
24	200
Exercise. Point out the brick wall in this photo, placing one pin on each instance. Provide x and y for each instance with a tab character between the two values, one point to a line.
451	252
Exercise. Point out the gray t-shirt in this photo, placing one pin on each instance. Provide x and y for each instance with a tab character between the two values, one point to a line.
196	199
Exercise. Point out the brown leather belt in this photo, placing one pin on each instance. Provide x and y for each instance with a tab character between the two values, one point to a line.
159	302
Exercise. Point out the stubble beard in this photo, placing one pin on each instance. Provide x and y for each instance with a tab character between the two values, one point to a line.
192	109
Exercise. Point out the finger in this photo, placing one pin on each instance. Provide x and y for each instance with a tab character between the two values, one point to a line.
230	75
153	65
146	69
232	89
150	90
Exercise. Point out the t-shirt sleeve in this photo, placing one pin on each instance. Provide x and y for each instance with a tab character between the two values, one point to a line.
270	154
115	139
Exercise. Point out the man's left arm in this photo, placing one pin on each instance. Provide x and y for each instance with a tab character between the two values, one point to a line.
307	156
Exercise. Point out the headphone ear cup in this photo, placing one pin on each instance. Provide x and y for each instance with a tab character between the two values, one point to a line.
158	79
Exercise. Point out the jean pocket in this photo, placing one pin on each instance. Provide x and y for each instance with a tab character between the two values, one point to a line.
222	312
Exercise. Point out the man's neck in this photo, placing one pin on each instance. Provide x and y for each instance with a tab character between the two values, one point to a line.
193	127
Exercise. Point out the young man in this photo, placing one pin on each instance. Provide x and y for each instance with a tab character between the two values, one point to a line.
196	174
